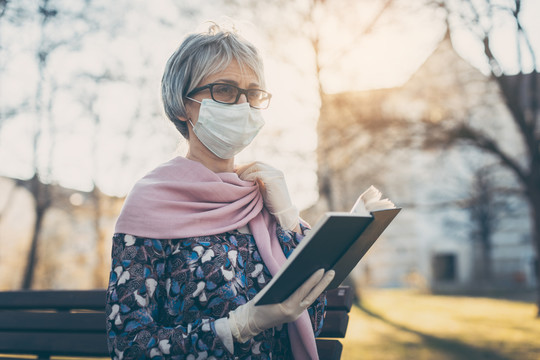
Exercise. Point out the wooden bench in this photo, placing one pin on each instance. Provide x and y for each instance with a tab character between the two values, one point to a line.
339	303
72	323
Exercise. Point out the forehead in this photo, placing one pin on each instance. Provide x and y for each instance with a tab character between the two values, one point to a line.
242	76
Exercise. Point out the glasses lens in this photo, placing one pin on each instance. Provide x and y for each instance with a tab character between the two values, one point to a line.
228	94
258	99
224	93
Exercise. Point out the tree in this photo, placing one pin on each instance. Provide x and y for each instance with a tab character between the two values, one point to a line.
46	87
312	38
60	40
521	93
316	10
39	190
487	204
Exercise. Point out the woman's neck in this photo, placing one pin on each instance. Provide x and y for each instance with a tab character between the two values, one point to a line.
210	160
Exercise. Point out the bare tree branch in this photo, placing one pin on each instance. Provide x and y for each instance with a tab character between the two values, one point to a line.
483	141
525	36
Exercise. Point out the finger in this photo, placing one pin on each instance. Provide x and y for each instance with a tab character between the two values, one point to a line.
248	176
265	175
262	187
318	289
256	166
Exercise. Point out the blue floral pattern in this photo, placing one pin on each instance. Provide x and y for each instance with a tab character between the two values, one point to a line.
164	296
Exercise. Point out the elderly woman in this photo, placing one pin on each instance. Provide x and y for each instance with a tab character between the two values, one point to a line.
198	238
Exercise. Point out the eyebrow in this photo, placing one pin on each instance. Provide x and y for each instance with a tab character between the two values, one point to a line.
235	83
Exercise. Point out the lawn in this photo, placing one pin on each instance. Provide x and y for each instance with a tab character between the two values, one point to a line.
401	324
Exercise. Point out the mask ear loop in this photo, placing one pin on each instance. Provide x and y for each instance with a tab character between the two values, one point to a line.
197	101
192	99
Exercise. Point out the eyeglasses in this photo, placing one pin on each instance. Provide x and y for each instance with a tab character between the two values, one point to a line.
230	94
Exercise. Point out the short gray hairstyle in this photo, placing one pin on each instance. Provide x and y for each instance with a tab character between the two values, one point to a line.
201	55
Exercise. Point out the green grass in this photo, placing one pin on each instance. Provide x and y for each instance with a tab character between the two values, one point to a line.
401	324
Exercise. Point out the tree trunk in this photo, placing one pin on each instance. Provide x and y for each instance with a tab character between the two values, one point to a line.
535	213
42	201
486	275
32	254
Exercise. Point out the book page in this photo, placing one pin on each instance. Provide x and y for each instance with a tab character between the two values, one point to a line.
370	200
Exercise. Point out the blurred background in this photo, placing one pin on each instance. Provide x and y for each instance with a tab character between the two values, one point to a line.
435	102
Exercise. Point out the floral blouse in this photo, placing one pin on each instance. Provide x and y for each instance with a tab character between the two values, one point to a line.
165	296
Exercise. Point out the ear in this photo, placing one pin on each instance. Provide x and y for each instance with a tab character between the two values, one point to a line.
186	117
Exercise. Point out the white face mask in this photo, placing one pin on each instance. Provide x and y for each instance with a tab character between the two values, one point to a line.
226	129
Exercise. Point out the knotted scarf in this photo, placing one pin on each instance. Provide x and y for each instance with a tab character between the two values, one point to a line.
182	198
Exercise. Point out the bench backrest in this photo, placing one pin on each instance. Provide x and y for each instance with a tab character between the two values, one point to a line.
48	323
72	323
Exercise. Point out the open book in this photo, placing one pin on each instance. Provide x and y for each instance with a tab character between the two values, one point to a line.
338	241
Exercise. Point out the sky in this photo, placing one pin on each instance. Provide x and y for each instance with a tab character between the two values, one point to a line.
133	135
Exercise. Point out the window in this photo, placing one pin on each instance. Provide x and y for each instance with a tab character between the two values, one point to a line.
444	267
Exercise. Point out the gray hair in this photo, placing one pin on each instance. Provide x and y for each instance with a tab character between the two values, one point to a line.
201	55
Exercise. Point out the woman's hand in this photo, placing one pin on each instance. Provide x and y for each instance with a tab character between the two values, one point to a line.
274	191
248	320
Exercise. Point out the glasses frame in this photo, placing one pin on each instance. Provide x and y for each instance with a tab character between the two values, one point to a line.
240	93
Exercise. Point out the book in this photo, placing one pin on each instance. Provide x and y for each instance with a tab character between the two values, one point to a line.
338	241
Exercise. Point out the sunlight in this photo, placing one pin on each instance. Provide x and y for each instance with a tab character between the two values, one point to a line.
397	324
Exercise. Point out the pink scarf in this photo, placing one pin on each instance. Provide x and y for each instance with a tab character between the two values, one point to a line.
182	198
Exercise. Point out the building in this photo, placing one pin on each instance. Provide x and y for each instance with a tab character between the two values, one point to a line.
375	137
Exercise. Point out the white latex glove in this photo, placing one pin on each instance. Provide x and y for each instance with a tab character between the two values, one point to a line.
248	320
274	191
